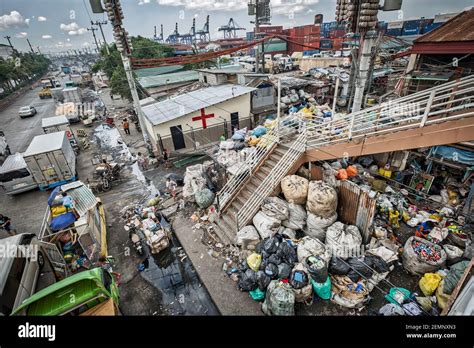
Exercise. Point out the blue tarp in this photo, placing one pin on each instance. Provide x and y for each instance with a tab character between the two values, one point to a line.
454	154
53	195
62	221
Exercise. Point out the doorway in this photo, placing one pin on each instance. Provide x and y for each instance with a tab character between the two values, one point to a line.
234	121
178	137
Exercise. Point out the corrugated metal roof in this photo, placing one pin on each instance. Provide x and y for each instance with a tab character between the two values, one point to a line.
184	104
83	197
458	28
54	121
161	80
13	162
158	71
45	143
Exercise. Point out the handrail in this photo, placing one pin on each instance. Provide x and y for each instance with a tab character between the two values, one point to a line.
277	173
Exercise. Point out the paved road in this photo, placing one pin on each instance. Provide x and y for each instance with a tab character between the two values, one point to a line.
20	131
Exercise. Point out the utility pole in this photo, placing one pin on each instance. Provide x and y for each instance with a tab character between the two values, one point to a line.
100	23
29	44
9	42
124	46
93	33
38	48
257	30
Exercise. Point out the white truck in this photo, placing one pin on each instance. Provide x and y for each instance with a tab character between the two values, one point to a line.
51	160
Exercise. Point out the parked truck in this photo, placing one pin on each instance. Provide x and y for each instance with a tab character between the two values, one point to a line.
51	160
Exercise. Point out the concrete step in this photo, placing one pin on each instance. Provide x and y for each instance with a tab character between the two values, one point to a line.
220	231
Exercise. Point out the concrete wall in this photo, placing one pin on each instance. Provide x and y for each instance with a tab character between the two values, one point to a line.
212	79
240	104
310	63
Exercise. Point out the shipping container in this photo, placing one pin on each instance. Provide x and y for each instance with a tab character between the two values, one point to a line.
250	35
412	24
413	31
394	32
431	27
51	160
335	33
325	44
395	25
273	29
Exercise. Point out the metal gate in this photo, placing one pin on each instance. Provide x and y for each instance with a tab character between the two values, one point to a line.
355	207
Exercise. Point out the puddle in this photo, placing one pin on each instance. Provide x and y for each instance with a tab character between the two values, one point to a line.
174	275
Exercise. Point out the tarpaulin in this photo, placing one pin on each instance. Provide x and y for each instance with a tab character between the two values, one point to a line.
454	154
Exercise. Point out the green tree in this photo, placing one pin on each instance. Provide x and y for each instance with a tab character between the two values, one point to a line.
112	64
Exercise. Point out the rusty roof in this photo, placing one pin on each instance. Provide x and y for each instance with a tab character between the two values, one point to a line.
458	28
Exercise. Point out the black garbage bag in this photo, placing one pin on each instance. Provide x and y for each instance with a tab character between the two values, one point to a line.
338	267
287	253
275	259
270	245
298	279
247	281
377	263
264	264
359	268
317	269
243	266
284	270
271	270
263	280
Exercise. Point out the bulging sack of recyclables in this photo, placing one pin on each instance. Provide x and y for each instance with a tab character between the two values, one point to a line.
266	226
295	189
322	199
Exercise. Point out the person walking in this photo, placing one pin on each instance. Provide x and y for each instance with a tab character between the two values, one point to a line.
126	126
6	224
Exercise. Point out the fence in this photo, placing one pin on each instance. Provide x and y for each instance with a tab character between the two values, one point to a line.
196	137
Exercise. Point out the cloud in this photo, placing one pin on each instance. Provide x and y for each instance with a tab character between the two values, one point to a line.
13	20
143	2
42	19
46	37
80	31
21	35
69	27
279	7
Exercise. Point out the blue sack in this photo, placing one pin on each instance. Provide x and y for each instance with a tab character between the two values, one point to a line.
60	222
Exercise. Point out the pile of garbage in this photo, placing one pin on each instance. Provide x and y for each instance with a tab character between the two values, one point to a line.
296	250
148	225
200	182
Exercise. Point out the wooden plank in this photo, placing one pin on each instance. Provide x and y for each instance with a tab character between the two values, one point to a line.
457	289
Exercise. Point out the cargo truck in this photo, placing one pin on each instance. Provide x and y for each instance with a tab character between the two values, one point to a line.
51	160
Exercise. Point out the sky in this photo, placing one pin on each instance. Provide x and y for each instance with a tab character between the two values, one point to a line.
57	25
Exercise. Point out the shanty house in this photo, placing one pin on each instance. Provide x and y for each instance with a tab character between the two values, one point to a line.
192	119
443	54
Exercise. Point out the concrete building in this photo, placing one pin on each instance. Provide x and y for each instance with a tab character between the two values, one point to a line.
193	119
5	51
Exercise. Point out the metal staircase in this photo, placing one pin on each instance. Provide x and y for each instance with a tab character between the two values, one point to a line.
261	173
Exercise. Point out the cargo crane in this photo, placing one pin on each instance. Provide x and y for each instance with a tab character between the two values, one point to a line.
191	36
203	35
158	38
174	37
230	29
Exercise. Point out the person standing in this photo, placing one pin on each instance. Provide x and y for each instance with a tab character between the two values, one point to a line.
126	126
171	187
6	224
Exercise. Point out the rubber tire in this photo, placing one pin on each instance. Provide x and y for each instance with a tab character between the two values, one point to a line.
106	186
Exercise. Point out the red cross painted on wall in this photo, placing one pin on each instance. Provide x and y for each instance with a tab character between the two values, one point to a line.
203	118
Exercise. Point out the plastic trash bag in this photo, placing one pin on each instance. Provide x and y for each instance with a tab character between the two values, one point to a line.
343	240
295	189
271	270
391	309
296	217
300	282
317	225
276	208
298	279
322	199
323	289
204	198
247	281
257	294
287	253
454	274
429	283
263	280
247	236
284	271
338	267
317	268
275	259
359	268
453	253
270	245
265	225
309	246
397	295
253	261
279	299
329	175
